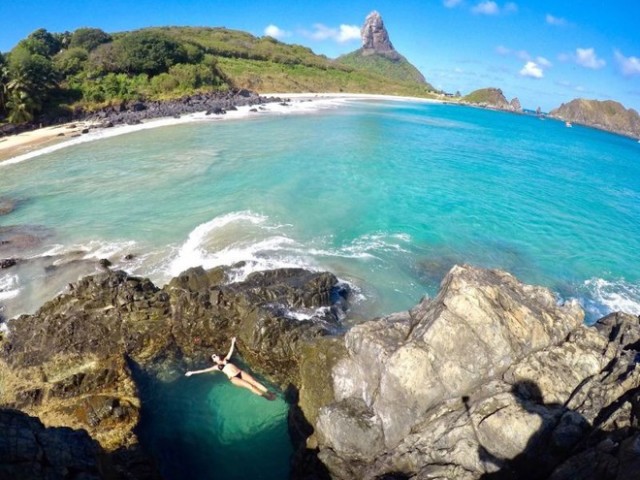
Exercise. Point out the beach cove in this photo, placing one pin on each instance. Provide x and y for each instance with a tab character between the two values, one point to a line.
400	193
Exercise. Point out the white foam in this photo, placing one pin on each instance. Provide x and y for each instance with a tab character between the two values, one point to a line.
608	297
9	287
259	249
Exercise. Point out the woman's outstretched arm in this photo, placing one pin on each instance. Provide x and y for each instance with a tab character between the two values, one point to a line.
233	344
194	372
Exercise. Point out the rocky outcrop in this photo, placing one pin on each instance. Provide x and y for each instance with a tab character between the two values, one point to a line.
605	115
492	378
74	362
375	38
492	98
377	54
28	450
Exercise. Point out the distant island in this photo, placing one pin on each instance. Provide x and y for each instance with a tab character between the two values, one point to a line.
492	98
605	115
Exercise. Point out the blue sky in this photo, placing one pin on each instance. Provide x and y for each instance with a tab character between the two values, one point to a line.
544	52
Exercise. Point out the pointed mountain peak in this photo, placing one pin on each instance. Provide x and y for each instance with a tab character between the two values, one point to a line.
375	38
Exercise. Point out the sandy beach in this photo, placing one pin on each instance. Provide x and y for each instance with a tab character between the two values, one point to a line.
29	144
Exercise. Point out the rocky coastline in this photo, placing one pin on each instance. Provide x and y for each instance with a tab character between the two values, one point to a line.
135	112
492	378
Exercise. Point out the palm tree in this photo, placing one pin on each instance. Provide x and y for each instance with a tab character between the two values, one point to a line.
20	106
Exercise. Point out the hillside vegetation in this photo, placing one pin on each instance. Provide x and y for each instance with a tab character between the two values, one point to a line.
606	115
397	68
47	75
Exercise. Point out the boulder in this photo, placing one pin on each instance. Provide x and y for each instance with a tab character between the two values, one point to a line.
491	378
7	205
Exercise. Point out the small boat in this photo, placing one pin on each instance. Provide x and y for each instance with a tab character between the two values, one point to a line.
568	124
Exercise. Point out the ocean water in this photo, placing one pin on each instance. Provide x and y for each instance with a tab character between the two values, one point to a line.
387	195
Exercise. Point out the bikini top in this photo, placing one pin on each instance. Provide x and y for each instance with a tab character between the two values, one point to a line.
221	366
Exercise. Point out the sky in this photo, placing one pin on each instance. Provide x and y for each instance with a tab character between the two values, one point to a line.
545	52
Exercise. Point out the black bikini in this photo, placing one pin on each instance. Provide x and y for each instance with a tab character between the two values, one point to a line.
221	368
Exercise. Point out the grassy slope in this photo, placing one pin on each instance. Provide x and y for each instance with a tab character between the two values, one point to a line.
486	96
399	69
267	65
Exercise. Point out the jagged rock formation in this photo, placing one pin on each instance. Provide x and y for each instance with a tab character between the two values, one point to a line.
492	98
375	38
491	379
73	363
377	54
515	105
605	115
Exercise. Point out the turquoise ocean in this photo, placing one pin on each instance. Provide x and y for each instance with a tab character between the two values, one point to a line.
387	195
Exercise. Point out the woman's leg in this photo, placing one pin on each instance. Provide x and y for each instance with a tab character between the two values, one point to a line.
239	382
249	379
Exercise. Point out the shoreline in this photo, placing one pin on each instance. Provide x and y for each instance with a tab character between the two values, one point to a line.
26	145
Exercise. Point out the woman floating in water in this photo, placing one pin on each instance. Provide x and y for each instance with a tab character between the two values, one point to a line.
238	377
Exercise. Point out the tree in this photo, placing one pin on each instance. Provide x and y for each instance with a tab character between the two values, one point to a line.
89	38
31	79
4	80
42	43
70	61
150	52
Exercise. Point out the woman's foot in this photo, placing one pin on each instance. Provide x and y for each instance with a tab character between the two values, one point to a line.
269	395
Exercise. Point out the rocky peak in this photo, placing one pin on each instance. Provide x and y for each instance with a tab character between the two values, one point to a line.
375	38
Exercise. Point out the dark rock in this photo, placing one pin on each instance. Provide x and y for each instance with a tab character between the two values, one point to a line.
104	263
85	130
28	450
7	262
129	256
253	109
15	239
60	135
7	205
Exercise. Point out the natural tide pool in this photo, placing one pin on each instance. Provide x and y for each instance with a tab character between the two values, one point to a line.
387	195
202	427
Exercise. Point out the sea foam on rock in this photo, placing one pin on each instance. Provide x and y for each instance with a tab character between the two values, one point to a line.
490	378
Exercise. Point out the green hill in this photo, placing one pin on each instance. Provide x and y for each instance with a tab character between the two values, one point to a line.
397	68
605	115
48	75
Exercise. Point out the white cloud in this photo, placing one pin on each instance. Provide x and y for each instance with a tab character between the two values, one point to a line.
543	62
486	8
502	50
587	58
342	34
628	65
532	70
556	21
451	3
490	7
348	32
275	32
